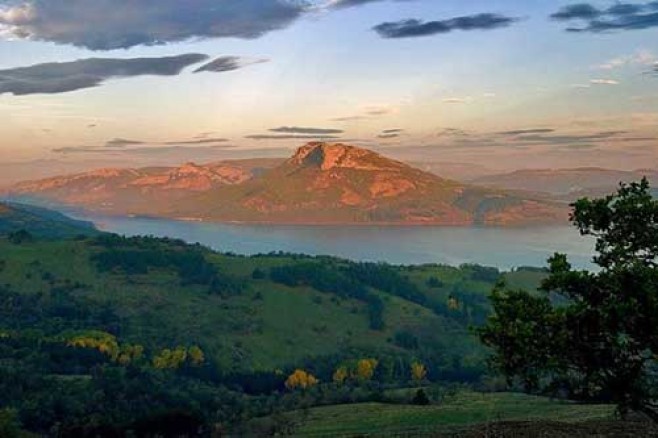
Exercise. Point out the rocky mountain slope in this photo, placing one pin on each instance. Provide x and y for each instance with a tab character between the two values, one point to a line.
322	183
139	191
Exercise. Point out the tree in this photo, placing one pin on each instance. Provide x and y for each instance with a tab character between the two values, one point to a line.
593	334
340	375
196	355
300	379
9	424
418	372
420	398
365	369
20	236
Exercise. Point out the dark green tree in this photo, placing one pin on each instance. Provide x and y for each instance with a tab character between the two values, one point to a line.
591	334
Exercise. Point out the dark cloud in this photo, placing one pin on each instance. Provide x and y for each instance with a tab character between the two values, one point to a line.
290	137
302	130
392	131
583	11
417	28
200	141
528	131
565	139
228	63
121	142
61	77
620	16
120	24
388	136
350	3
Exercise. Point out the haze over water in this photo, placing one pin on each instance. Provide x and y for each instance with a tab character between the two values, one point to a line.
504	248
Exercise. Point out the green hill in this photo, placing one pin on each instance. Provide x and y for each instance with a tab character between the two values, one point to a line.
41	222
105	332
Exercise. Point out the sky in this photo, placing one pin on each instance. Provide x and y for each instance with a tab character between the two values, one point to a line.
503	84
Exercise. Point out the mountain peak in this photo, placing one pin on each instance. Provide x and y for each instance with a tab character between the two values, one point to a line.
328	156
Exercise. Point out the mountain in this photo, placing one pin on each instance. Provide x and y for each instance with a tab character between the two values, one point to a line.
137	191
337	183
41	222
322	183
454	170
568	184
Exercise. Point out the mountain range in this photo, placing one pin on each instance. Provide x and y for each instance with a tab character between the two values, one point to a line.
567	184
322	183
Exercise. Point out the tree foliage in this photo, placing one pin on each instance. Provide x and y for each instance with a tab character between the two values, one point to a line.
592	334
301	379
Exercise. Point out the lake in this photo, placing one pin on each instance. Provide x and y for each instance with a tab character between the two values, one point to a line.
500	247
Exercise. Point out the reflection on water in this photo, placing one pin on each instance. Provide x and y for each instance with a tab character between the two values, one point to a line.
501	247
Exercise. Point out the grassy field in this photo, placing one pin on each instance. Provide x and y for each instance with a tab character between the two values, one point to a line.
456	414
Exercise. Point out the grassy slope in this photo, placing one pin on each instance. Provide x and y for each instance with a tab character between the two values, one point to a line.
41	222
267	326
464	409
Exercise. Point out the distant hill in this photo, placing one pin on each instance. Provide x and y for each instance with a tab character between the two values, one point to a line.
139	191
41	222
322	183
568	184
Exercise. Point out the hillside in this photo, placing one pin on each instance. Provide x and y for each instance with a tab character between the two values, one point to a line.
40	222
336	183
160	304
568	184
321	183
105	331
453	417
139	191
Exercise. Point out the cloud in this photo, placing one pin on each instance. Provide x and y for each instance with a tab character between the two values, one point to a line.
618	17
301	130
458	100
527	131
199	141
568	138
641	57
228	63
348	118
388	136
120	24
121	142
62	77
416	28
289	137
392	131
582	11
453	132
351	3
368	112
604	82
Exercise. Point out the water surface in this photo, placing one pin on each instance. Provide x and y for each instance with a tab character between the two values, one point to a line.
501	247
